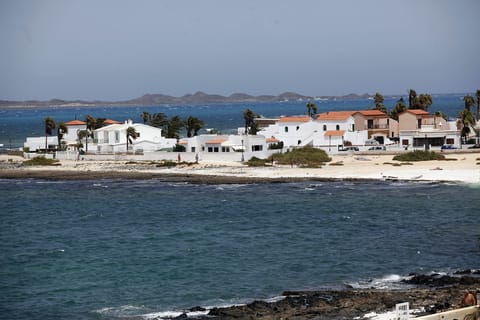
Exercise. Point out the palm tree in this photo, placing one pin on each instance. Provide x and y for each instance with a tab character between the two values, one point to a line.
399	108
146	117
378	99
193	124
82	134
441	114
469	102
467	120
423	101
249	117
91	125
49	127
132	134
412	94
311	108
61	130
174	126
159	120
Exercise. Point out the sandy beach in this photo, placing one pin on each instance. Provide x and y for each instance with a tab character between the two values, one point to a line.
458	168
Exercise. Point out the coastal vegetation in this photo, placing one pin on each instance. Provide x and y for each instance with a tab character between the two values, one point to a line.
311	109
419	155
132	134
251	126
307	157
41	161
49	127
171	127
61	131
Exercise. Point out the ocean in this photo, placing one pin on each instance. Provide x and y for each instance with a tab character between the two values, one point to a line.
19	123
140	249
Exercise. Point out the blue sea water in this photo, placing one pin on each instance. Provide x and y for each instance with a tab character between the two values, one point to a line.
119	249
17	124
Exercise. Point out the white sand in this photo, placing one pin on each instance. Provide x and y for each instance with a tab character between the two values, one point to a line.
464	169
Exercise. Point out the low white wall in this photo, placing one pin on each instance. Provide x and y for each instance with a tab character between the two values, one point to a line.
163	155
470	313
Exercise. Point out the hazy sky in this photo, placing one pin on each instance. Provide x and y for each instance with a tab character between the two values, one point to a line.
119	49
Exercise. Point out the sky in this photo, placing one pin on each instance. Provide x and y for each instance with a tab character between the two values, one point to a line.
121	49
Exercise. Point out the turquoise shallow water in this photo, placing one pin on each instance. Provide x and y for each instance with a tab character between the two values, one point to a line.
103	249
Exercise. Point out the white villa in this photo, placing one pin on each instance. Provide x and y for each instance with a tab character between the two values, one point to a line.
113	138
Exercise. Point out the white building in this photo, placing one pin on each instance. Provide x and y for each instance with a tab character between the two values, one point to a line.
113	138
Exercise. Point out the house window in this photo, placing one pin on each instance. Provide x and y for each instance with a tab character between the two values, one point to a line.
193	149
370	124
450	141
353	126
299	142
324	127
215	149
405	142
225	149
298	127
210	149
257	147
337	127
117	136
286	129
419	123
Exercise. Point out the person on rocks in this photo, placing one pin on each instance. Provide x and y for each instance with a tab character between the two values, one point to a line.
469	299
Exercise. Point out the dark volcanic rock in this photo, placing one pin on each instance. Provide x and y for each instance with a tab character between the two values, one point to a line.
351	303
436	280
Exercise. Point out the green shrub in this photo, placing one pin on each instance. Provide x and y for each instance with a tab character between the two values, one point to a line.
302	157
256	162
41	161
419	155
167	163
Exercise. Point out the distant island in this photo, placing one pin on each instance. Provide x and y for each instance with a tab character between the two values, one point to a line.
161	99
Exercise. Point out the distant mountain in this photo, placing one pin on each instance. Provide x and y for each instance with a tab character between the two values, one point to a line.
159	99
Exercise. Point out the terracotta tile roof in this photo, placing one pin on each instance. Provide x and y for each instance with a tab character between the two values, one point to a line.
372	113
110	121
75	123
272	140
183	142
295	119
335	115
334	133
216	141
418	112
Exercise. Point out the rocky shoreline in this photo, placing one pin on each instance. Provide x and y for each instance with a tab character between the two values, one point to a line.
430	294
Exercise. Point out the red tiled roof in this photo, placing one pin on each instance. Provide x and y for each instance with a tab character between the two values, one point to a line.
216	141
110	121
75	123
334	133
272	140
335	115
418	112
295	119
183	142
372	113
